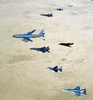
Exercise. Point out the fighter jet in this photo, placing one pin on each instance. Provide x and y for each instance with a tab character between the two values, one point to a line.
66	44
29	35
69	5
47	15
55	69
60	9
42	49
77	91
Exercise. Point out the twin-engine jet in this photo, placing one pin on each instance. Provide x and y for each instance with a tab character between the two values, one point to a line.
29	35
77	91
42	49
66	44
69	5
47	15
60	9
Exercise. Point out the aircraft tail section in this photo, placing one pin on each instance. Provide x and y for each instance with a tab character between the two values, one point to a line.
85	92
41	33
60	69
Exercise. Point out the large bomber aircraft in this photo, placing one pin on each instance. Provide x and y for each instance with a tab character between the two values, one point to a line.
29	35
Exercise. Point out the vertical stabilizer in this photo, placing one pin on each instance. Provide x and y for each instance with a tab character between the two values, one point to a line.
41	33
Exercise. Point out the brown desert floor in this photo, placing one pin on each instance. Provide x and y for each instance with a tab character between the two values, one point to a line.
22	72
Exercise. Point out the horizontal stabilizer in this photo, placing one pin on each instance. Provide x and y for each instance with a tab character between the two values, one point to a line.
81	88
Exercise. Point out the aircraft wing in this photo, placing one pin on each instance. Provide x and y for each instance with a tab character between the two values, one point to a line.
56	70
78	94
56	67
27	39
29	33
77	88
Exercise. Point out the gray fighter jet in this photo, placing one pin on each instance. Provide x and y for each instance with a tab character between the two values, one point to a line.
69	5
55	69
60	9
77	91
42	49
29	35
47	15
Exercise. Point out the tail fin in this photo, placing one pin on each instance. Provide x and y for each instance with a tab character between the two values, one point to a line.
85	92
60	69
41	33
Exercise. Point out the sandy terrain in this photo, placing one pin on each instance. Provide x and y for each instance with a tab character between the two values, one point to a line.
22	72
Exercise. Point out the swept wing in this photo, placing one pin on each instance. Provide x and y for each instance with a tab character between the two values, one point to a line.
29	33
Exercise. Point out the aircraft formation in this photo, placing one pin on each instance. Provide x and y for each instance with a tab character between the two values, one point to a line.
26	37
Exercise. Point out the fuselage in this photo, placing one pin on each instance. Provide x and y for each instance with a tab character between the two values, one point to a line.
73	90
26	36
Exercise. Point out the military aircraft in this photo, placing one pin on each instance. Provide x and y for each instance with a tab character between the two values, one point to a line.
69	5
77	91
42	49
66	44
29	35
47	15
60	9
55	69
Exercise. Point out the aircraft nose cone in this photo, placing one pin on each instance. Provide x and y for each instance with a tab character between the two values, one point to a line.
13	36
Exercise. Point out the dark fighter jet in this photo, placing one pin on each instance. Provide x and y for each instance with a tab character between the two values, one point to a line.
42	49
47	15
66	44
60	9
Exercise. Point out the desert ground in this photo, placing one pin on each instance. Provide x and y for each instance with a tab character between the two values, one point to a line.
22	71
